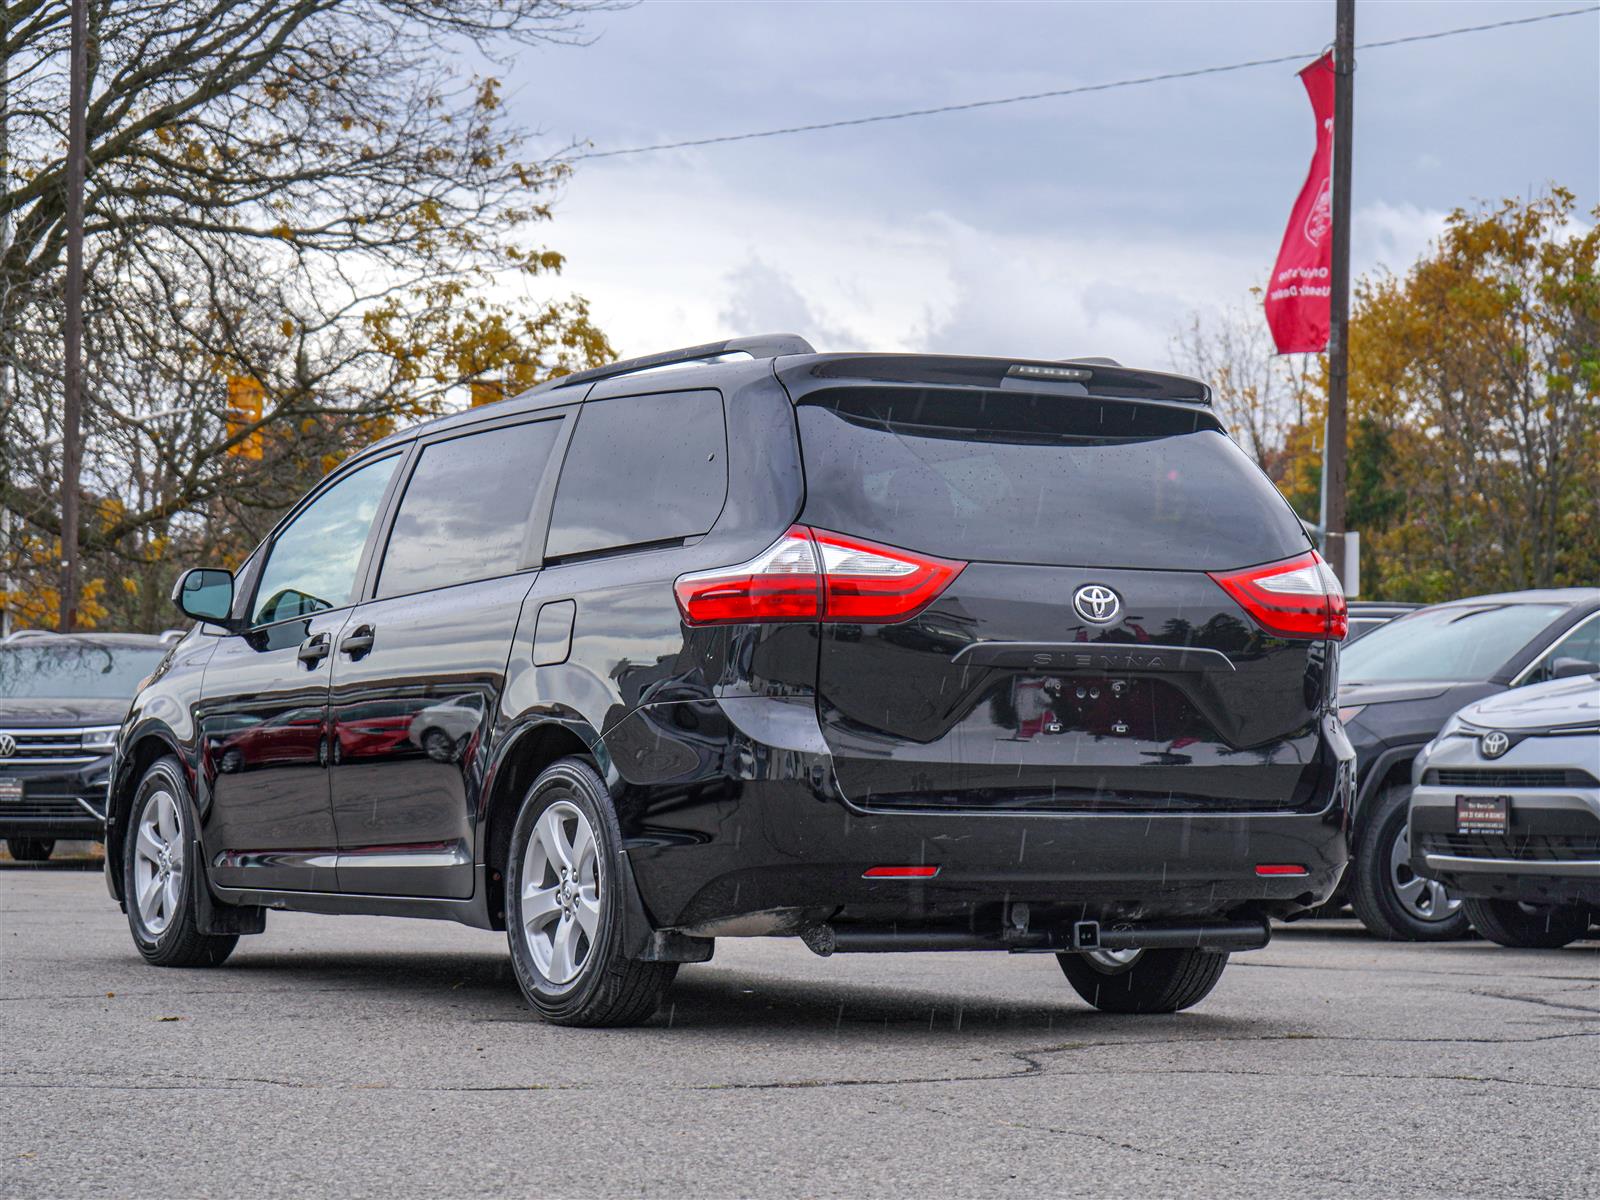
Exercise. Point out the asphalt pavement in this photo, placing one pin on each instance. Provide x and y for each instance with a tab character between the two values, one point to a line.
373	1057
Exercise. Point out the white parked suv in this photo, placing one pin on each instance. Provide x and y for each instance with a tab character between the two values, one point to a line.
1506	811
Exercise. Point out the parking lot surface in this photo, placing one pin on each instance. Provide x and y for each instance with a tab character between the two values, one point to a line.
369	1057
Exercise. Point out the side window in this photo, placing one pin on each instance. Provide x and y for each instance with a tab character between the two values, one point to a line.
312	563
1583	644
465	511
641	469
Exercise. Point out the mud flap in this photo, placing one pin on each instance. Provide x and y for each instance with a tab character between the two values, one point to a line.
642	941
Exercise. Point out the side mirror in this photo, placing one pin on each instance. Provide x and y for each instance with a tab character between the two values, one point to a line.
205	594
1571	668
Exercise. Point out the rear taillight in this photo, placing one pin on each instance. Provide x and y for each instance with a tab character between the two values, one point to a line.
814	575
1299	597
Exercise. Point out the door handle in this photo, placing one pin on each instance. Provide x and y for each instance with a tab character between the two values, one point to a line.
313	650
357	643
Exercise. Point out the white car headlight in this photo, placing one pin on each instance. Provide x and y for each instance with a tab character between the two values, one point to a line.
101	737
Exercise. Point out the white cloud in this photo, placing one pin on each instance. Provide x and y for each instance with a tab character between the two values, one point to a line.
679	257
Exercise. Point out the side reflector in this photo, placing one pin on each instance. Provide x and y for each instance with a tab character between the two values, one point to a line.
1281	869
899	872
1299	597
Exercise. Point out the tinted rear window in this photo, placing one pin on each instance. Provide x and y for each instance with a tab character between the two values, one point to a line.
641	469
1015	477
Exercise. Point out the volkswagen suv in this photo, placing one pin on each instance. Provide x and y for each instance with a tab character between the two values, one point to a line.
886	652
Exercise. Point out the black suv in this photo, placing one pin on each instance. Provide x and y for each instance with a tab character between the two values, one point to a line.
61	701
888	652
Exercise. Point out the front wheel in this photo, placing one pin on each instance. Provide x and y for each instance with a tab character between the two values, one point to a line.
564	909
1392	900
1143	981
1527	926
31	849
161	872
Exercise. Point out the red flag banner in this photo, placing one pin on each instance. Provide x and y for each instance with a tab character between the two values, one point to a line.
1297	297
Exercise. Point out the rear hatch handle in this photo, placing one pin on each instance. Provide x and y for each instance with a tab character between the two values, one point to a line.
1083	656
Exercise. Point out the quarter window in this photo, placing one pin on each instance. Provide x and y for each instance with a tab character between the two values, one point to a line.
641	469
312	564
466	508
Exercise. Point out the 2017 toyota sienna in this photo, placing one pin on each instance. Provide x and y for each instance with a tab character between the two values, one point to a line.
886	652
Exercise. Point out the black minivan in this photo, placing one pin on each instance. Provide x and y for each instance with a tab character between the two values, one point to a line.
886	652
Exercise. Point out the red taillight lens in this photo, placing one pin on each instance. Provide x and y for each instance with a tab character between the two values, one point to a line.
782	583
815	575
1299	597
864	581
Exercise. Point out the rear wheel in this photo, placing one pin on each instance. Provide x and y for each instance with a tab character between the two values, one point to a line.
160	873
1527	926
31	849
1392	900
564	906
1143	981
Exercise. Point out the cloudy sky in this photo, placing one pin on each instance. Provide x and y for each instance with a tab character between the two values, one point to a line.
1089	224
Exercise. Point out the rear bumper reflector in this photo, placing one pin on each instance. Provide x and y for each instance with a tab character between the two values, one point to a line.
1281	869
899	872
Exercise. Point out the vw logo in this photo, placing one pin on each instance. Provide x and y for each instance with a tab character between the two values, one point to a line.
1493	745
1096	603
8	745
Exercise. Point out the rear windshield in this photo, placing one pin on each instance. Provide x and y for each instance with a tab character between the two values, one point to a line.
1458	643
75	671
994	476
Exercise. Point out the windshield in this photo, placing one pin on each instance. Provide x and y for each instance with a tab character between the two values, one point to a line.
1458	643
75	671
1022	478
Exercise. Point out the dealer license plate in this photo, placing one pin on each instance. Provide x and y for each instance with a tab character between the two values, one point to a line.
10	790
1490	815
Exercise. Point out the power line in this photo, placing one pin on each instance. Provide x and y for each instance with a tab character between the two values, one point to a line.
1072	91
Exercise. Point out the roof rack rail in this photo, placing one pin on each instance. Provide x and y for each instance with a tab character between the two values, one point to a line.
766	345
24	635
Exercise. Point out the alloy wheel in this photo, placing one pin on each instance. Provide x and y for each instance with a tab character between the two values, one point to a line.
1113	962
158	861
561	882
1423	899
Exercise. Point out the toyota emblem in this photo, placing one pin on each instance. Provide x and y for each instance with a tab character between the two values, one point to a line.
1096	603
1493	745
8	745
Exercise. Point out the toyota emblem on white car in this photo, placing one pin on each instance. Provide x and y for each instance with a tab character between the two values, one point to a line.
1493	745
1097	603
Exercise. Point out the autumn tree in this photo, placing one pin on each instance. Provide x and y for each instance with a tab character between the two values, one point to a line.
1475	406
1258	394
300	192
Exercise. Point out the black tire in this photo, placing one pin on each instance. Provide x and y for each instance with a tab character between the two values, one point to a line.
609	989
1527	926
1157	981
1375	892
31	849
177	940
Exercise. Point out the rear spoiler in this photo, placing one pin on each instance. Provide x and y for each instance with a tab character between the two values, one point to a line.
1081	377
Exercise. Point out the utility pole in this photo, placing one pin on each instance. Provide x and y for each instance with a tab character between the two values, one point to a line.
72	398
1333	484
5	313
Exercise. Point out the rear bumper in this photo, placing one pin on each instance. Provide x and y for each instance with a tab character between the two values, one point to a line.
759	840
57	804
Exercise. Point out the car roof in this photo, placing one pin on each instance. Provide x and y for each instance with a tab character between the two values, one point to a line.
1571	597
801	369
